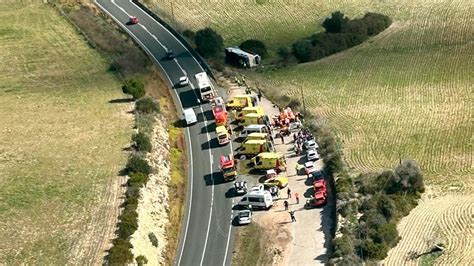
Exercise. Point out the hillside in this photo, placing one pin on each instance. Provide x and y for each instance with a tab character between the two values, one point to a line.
407	93
61	141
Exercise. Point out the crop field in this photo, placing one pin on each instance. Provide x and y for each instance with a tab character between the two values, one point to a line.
406	93
60	141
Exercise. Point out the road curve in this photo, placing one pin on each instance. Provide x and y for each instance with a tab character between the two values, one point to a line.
206	235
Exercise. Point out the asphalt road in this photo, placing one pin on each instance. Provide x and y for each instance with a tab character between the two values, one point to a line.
206	236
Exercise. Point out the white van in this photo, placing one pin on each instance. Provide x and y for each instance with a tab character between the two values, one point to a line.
252	129
257	199
189	116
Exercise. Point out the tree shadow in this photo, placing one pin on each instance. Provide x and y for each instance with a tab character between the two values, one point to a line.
122	100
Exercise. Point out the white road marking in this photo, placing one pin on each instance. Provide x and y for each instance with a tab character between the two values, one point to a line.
189	141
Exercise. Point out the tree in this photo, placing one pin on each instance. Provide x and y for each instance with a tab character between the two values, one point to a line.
370	250
147	105
302	50
254	46
342	246
335	23
407	178
387	233
134	87
141	260
120	253
136	164
208	42
142	142
137	179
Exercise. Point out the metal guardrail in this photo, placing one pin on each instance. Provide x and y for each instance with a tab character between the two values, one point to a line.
196	55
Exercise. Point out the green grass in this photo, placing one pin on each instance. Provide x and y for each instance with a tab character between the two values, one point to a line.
61	141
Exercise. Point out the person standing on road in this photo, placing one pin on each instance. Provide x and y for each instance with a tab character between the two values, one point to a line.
259	95
297	197
289	193
285	203
292	215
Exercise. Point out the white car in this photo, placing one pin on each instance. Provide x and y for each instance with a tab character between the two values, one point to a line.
257	188
183	81
311	145
245	217
309	167
240	187
312	155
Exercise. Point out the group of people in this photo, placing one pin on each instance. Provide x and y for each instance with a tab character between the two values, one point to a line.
286	204
299	139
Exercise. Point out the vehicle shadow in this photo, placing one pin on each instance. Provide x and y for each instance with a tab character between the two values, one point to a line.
211	127
215	178
188	99
309	192
211	144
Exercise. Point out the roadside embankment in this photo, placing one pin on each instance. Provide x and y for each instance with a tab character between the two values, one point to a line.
150	238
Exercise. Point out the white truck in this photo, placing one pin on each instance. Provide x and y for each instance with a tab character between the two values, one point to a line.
189	116
206	91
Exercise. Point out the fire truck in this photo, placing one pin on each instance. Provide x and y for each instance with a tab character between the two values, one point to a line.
219	112
228	167
206	90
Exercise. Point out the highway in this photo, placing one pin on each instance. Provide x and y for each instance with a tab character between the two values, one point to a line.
206	235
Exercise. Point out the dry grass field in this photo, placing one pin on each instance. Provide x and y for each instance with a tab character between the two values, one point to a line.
406	93
60	141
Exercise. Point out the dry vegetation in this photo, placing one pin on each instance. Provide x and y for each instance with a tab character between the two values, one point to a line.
405	93
60	143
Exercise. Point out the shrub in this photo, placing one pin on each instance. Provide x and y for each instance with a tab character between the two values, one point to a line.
370	250
375	23
342	246
128	222
407	178
387	233
142	142
136	164
120	253
141	260
302	50
335	23
208	42
284	53
134	87
254	46
147	105
137	180
153	239
189	34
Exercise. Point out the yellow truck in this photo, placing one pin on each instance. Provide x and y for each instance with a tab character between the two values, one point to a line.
239	102
223	135
255	119
254	147
239	116
257	136
269	160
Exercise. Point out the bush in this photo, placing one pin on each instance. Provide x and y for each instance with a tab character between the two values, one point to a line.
375	23
284	53
387	233
189	34
407	178
153	239
141	260
208	42
137	180
302	50
134	87
120	253
254	46
136	164
342	246
142	142
335	23
128	222
147	105
370	250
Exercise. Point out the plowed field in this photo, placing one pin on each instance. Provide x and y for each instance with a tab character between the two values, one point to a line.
407	93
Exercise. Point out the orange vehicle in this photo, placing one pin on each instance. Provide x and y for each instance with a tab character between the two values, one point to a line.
219	112
228	167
